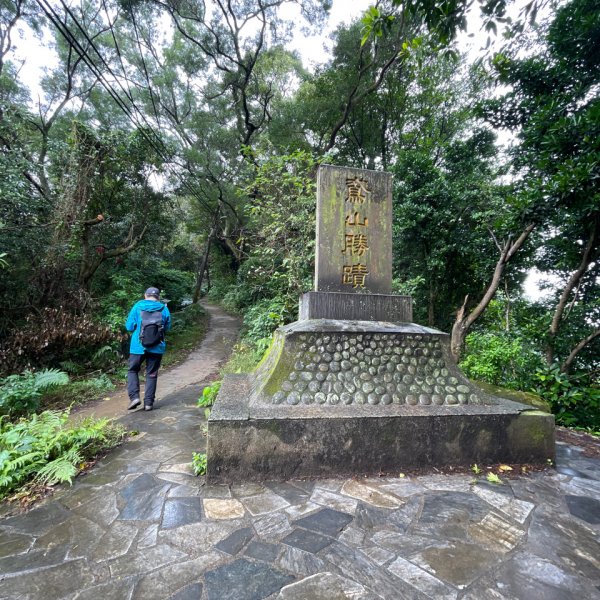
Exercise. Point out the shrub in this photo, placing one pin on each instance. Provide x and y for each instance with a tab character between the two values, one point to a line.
78	392
574	404
262	319
500	359
209	394
47	336
199	463
45	449
187	317
20	394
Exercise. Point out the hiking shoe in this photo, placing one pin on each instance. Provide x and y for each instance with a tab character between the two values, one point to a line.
134	403
148	407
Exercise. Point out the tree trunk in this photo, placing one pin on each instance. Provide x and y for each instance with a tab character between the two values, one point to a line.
464	321
203	267
589	255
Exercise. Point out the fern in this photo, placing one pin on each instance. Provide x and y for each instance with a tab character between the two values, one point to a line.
45	448
70	366
60	469
50	378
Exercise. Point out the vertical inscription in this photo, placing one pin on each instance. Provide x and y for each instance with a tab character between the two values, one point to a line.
356	238
354	231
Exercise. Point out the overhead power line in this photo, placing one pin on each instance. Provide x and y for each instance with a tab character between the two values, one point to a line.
133	112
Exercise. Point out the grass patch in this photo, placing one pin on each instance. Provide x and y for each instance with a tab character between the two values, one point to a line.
78	392
243	359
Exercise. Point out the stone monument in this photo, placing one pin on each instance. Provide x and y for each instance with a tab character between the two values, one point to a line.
353	386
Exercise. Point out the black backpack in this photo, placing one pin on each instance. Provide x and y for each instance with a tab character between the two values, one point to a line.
152	331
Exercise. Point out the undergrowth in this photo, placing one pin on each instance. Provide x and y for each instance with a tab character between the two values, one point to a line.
46	449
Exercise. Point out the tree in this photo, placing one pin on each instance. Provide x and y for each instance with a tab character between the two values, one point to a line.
554	107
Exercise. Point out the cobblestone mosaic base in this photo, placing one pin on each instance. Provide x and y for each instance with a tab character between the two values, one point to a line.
372	368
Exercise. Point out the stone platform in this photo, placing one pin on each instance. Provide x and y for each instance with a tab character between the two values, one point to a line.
357	397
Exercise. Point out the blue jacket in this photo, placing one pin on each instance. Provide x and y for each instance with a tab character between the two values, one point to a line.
133	324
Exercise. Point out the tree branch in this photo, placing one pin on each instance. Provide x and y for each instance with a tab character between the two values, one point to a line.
566	365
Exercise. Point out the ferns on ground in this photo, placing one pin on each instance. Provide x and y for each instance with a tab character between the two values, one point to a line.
47	449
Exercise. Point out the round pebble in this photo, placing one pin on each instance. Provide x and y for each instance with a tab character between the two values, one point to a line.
412	400
333	399
278	397
346	398
451	399
293	398
386	399
437	399
373	398
320	398
367	387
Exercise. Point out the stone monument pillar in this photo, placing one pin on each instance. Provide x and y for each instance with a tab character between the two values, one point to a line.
353	386
353	257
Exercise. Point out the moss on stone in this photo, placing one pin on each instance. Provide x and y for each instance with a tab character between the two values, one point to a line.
517	396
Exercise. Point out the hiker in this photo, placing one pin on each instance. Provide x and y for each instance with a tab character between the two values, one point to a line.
149	319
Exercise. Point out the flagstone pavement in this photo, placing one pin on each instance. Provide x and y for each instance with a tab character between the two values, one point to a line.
141	525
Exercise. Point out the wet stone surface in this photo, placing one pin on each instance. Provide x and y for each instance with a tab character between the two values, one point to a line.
139	526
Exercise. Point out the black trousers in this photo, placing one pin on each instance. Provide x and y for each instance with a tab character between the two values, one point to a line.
133	380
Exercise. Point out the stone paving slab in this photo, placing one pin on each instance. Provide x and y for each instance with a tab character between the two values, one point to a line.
139	526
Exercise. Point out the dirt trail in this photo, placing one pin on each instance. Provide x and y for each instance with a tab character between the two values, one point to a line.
201	364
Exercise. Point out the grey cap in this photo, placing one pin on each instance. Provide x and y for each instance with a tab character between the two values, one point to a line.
152	291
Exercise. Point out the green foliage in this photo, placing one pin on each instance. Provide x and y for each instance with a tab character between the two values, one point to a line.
500	359
20	394
243	359
199	463
493	478
79	391
187	317
46	449
262	319
574	403
209	394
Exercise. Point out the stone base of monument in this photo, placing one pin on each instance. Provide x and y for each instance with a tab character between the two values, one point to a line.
357	397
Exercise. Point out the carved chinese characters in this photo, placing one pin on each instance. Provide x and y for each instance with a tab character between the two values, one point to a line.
356	241
353	231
